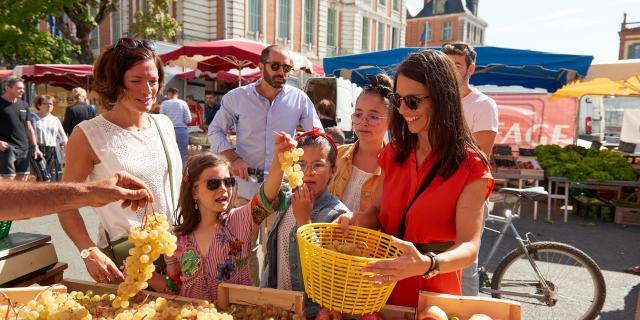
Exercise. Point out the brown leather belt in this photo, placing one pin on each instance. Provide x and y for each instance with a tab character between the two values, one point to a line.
435	247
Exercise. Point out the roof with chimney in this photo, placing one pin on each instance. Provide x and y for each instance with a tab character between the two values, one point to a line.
448	7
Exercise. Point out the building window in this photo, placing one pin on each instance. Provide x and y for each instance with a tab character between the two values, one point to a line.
331	28
382	2
396	5
394	37
309	17
381	36
446	31
634	51
481	41
283	22
428	32
95	33
115	26
255	9
438	6
365	34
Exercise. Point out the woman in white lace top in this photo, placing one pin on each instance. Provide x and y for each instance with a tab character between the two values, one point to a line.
357	172
128	77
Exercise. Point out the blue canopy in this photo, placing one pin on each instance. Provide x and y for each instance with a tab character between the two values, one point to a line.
496	66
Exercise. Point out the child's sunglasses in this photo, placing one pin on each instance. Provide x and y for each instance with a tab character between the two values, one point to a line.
134	43
275	66
215	183
410	101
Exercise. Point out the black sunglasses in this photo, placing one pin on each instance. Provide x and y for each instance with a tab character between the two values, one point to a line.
134	43
215	183
456	45
410	101
275	66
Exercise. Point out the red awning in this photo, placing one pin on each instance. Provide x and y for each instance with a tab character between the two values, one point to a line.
62	75
5	74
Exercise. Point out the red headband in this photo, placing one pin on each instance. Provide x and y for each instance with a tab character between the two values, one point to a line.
314	133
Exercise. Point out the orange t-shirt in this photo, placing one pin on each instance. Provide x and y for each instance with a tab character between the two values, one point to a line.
431	218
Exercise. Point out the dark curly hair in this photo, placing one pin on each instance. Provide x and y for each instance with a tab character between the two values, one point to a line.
110	67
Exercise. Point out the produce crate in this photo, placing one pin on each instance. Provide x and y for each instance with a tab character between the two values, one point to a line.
628	216
24	295
534	168
245	295
594	209
102	288
5	226
464	307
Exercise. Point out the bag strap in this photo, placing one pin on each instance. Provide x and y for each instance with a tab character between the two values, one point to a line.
166	154
425	183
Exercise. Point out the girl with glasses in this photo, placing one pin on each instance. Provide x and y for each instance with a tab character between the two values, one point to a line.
310	203
214	238
357	172
434	184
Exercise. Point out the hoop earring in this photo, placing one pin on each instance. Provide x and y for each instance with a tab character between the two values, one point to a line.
196	206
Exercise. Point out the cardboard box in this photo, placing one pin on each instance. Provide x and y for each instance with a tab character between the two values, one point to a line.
629	216
465	307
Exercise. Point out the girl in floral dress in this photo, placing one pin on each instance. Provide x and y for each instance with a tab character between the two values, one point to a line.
213	238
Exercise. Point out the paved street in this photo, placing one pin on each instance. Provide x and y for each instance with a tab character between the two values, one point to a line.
612	246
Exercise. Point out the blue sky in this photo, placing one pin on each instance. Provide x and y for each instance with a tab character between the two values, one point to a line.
587	27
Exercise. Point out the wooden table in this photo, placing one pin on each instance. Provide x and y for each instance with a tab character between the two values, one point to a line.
614	185
44	277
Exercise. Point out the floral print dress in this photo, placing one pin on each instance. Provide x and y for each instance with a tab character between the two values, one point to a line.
199	273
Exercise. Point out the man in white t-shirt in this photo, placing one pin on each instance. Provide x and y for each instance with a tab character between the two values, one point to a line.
481	114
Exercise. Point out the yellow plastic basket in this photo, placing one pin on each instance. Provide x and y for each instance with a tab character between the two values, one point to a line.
335	280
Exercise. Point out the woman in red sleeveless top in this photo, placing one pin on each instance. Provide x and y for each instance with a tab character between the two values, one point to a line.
440	230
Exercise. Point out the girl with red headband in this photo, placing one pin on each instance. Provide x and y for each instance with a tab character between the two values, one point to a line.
310	203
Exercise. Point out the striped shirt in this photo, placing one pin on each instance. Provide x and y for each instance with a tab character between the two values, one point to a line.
49	131
177	110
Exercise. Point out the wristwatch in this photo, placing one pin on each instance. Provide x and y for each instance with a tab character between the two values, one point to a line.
434	269
84	253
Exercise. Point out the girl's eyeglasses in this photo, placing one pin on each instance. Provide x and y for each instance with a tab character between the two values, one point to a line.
315	167
359	117
410	101
275	66
215	183
134	43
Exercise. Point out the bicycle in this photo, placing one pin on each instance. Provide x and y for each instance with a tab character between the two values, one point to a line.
535	273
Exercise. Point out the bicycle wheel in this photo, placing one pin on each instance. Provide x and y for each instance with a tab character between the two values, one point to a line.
577	289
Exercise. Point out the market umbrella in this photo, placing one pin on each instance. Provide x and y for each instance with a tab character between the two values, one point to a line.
600	86
614	70
60	75
5	74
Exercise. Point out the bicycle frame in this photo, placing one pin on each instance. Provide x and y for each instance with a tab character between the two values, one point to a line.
507	221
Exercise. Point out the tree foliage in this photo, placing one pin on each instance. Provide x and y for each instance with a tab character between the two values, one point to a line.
20	40
78	11
156	23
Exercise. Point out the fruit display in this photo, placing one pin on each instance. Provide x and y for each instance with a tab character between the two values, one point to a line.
151	240
86	306
251	312
525	165
291	169
436	313
579	164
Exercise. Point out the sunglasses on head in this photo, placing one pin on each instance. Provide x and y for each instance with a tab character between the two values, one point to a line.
134	43
410	101
215	183
275	66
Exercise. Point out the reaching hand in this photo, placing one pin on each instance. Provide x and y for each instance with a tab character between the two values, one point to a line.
411	263
345	220
283	143
3	145
240	168
37	154
122	186
101	268
302	204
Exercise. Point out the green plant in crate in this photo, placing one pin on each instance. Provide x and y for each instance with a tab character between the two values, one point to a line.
5	226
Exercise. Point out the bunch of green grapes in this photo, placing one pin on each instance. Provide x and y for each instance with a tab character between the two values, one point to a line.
53	306
345	247
290	168
150	241
268	311
161	308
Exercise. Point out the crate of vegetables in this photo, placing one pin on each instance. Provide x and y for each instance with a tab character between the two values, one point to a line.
594	208
439	306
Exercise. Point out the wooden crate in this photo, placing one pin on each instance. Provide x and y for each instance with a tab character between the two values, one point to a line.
245	295
629	216
392	312
24	295
102	288
465	307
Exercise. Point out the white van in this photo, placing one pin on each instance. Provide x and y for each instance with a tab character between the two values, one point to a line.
342	92
600	117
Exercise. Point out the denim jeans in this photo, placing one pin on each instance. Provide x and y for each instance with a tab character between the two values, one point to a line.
182	138
470	277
